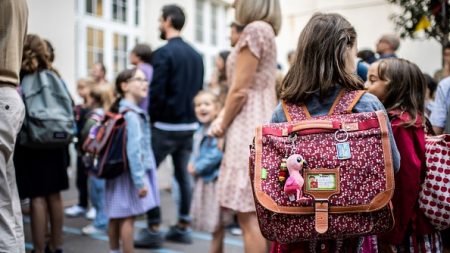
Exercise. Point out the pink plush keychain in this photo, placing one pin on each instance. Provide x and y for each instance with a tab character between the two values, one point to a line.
294	183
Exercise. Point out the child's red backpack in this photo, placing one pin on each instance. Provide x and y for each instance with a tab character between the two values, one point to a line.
106	145
327	177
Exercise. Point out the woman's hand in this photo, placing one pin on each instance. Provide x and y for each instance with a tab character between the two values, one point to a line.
143	192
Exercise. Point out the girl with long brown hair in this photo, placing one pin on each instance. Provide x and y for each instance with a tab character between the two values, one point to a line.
325	66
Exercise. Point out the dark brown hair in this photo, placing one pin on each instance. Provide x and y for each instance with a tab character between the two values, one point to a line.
320	59
51	51
406	87
144	52
176	15
35	55
223	72
239	28
122	77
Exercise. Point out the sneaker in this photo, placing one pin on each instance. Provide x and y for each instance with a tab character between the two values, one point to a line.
147	238
90	215
91	230
175	234
75	211
236	231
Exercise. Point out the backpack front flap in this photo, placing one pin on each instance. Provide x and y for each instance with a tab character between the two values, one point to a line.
347	176
106	145
101	134
46	97
49	112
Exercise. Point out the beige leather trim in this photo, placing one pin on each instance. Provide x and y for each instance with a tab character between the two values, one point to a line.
378	202
350	126
355	100
387	153
336	101
305	110
258	154
286	111
320	194
321	217
318	124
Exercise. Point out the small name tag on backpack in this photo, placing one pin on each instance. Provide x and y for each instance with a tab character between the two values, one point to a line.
343	151
321	182
59	135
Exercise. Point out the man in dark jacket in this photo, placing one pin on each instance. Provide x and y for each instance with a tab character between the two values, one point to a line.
178	77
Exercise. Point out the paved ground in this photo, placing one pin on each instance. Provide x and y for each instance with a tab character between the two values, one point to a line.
74	242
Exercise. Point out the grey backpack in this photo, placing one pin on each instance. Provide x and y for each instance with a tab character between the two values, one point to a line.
49	120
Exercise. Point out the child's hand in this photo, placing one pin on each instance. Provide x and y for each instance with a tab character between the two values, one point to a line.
216	129
191	169
221	144
143	192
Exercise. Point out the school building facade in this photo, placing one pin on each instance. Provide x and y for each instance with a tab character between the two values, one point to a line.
86	31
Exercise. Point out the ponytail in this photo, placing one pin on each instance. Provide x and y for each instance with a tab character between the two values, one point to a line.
115	106
123	76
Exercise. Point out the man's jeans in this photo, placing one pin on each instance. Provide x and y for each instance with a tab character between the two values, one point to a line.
12	113
178	144
97	195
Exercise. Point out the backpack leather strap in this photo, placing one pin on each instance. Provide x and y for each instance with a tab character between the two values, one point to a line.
343	104
345	101
295	112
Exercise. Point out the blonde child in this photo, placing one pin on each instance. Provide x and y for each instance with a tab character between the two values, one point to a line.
135	191
400	86
99	100
204	165
84	86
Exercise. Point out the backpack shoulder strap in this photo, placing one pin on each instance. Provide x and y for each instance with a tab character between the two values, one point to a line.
343	104
295	112
345	101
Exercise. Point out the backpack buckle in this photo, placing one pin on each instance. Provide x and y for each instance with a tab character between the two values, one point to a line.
321	184
321	208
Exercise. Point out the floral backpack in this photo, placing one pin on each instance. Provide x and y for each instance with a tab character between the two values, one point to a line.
327	177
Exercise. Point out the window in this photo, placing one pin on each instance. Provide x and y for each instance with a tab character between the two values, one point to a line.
119	10
199	7
136	14
213	62
94	7
94	46
120	53
214	24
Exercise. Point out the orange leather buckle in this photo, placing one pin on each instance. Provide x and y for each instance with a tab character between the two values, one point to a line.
321	214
